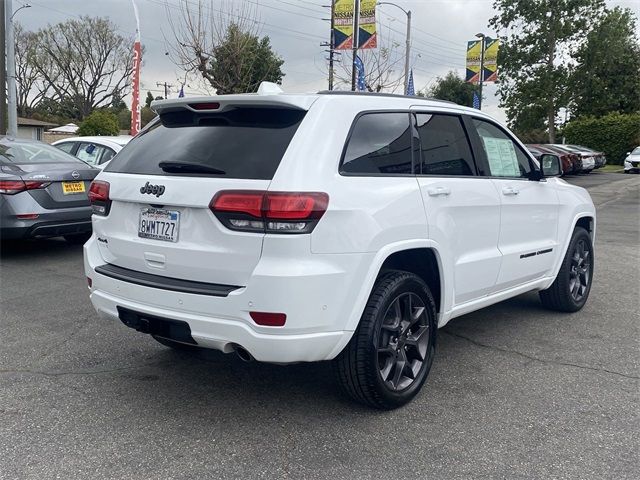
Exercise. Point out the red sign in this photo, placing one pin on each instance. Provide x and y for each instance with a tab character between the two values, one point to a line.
135	95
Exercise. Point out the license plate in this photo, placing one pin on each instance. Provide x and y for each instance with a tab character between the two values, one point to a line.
69	188
159	224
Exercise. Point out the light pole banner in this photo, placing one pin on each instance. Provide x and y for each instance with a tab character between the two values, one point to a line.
343	24
490	73
135	93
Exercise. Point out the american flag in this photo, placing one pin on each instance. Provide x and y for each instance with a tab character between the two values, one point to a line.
361	83
476	101
411	90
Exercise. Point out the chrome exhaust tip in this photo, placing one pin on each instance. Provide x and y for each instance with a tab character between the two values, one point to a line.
243	354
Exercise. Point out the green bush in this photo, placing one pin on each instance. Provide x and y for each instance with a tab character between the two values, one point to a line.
614	134
100	122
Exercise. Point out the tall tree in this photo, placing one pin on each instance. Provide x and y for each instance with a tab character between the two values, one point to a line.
85	60
223	47
607	76
30	85
453	89
537	37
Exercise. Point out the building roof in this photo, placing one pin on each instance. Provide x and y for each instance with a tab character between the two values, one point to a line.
32	122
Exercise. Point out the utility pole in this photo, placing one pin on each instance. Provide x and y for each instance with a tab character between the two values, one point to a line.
12	104
3	72
166	88
355	40
482	38
332	43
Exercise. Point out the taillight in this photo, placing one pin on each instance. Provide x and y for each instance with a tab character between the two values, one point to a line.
11	187
269	212
99	197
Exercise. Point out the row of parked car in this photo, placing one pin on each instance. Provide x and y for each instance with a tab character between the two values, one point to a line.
574	159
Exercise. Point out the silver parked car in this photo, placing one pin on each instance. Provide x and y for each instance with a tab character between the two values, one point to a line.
96	151
632	162
43	192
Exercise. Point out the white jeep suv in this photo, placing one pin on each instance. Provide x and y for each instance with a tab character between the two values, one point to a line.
330	226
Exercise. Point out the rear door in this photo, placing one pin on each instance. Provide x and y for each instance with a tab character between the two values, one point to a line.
462	208
169	174
530	209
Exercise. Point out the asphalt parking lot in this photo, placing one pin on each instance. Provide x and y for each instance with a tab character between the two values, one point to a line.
515	391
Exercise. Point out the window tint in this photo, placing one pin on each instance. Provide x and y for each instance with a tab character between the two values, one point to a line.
89	153
243	143
503	155
444	146
31	153
379	143
66	147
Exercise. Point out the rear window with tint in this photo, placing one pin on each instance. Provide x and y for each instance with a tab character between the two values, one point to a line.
245	143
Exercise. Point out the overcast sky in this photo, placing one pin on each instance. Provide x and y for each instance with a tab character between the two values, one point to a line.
440	31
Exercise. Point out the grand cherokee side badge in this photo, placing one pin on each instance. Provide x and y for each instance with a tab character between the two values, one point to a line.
156	190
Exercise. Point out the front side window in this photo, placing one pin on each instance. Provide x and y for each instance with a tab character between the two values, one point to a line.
380	143
504	157
443	145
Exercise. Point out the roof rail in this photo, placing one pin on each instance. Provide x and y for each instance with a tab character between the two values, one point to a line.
381	94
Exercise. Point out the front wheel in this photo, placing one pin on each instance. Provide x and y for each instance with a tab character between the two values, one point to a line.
390	354
570	290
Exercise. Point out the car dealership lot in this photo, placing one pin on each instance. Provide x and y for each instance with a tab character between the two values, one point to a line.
515	391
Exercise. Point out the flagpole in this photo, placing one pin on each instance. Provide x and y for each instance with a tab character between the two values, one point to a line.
137	59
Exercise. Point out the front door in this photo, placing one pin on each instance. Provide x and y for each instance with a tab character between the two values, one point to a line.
529	216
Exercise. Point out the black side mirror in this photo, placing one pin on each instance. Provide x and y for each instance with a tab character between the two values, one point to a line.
550	165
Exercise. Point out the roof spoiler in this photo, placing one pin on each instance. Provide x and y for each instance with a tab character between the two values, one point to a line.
268	95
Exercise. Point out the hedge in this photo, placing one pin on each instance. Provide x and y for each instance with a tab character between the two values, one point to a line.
614	134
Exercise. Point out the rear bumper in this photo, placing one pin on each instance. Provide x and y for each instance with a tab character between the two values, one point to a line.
36	229
317	305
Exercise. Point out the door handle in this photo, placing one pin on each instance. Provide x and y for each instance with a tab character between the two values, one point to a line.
510	191
439	192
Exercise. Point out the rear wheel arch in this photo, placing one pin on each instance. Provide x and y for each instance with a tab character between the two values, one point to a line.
423	262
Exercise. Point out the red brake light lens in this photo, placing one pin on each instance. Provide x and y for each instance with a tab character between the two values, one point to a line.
205	106
99	197
269	212
241	201
11	187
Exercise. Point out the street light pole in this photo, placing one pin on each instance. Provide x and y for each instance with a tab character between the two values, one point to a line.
12	104
355	40
482	38
407	52
3	73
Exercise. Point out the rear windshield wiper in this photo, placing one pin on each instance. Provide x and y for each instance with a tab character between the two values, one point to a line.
186	167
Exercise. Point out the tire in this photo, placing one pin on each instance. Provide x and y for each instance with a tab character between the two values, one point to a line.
78	238
367	369
570	290
183	347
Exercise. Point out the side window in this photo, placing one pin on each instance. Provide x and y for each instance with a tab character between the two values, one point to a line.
66	147
444	146
107	155
89	153
503	155
379	143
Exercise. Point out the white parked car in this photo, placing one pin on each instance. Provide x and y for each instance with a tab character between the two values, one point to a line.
632	162
96	151
330	226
